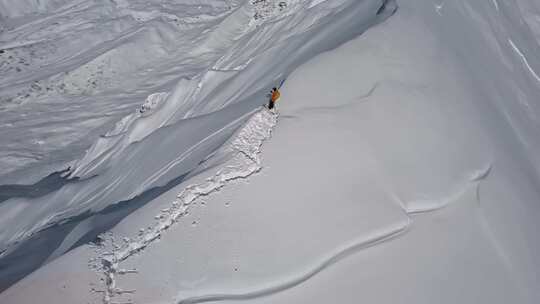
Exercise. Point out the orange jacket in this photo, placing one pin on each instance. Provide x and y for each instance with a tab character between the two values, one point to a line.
275	96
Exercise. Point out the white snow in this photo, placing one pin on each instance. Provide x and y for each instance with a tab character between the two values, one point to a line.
213	100
400	167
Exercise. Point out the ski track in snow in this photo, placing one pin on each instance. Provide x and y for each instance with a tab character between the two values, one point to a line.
524	59
245	162
375	239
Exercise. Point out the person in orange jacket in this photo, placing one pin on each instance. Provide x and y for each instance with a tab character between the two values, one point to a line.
273	98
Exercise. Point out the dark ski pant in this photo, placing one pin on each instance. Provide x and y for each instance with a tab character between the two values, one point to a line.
271	104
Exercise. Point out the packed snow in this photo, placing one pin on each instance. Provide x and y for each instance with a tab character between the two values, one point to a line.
399	166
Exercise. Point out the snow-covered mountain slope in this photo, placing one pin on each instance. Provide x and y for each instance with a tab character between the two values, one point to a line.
71	65
402	168
202	71
391	173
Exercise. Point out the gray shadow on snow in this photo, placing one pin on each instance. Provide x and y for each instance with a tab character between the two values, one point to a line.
34	251
46	185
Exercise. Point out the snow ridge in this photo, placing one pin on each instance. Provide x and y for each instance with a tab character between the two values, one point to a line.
246	161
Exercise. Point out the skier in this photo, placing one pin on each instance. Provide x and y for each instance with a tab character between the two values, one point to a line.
273	98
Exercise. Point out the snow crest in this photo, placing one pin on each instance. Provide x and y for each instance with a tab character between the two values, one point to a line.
246	161
424	205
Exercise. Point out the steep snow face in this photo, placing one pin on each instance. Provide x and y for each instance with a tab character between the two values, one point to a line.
203	68
69	74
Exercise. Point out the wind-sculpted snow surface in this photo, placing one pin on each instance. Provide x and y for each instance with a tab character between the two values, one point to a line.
78	67
231	54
